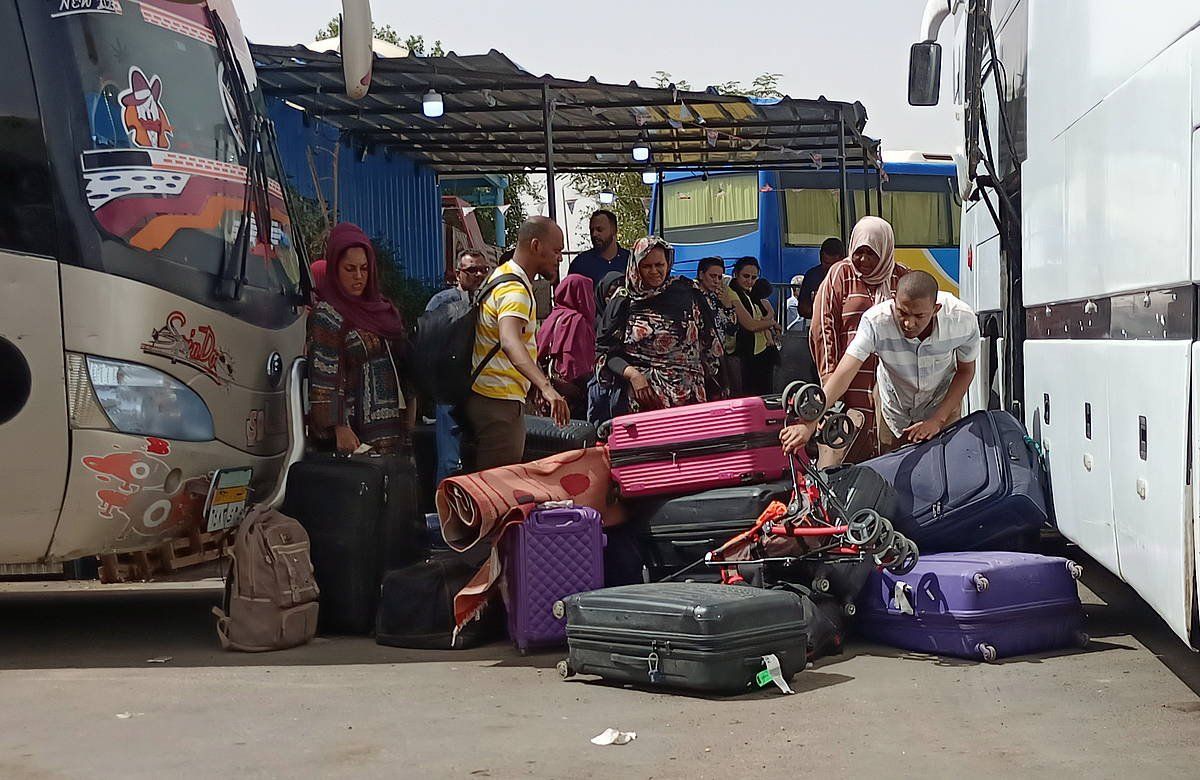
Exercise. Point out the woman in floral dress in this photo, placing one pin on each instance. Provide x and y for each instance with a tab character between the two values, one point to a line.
657	338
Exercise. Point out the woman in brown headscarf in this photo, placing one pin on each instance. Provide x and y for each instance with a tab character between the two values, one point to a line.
867	277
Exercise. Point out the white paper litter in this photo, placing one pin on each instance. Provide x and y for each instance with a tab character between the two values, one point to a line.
614	737
164	659
128	715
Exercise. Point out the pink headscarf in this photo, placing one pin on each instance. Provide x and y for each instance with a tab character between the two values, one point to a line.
317	269
876	234
370	311
569	334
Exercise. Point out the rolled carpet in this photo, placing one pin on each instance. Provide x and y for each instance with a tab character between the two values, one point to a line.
479	507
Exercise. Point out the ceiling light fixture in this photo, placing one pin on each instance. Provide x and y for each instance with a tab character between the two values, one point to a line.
431	105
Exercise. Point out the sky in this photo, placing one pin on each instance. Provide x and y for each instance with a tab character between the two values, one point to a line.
844	49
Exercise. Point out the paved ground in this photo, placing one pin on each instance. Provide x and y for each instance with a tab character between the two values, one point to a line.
72	663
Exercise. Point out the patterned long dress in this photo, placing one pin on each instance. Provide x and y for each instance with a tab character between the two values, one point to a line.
354	380
841	300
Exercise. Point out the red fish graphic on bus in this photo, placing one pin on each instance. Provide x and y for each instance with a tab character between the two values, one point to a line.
140	494
130	470
144	116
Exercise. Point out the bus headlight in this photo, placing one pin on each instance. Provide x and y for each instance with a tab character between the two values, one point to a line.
140	400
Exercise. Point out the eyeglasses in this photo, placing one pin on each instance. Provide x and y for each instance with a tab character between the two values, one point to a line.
475	271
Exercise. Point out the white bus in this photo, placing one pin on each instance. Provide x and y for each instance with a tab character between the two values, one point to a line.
1079	170
152	294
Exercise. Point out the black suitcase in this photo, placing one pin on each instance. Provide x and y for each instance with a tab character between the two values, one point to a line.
543	438
677	531
362	516
425	455
416	606
694	635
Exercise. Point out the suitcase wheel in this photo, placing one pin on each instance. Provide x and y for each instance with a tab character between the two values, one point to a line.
1075	569
981	582
564	669
986	651
823	585
850	610
1082	638
559	610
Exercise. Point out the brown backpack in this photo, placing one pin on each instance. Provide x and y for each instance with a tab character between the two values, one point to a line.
270	592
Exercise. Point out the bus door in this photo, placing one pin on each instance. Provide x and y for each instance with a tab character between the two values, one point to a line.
33	409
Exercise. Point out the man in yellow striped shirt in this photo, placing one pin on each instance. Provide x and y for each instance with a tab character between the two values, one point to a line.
496	407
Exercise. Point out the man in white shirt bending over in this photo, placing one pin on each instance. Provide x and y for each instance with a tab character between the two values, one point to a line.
927	342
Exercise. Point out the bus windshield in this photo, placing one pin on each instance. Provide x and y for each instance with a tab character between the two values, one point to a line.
164	164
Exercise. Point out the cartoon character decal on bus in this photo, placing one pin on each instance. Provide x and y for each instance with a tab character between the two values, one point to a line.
145	118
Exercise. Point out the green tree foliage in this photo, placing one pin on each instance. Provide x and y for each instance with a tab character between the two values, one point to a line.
629	205
663	79
520	186
414	43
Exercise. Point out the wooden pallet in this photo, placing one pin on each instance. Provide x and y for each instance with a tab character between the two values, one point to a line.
170	556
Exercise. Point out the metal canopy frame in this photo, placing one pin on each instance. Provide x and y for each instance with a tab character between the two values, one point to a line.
500	118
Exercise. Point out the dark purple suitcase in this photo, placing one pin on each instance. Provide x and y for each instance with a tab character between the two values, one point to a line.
555	553
982	605
977	486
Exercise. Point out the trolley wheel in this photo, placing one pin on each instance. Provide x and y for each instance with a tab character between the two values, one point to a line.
864	528
836	431
987	652
822	585
1082	639
789	393
887	537
559	610
850	609
564	669
908	557
981	582
807	401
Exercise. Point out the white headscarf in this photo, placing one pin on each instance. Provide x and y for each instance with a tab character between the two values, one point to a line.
876	234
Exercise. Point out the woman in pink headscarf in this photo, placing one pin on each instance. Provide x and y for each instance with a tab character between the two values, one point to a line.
357	345
867	277
566	341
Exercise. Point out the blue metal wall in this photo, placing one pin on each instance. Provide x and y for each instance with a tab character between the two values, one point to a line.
388	196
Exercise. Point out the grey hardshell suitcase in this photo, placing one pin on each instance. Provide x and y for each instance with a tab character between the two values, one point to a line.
694	635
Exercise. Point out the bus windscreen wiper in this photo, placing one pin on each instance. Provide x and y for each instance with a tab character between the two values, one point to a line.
256	205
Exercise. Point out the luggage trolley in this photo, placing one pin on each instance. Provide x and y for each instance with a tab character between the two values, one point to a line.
815	516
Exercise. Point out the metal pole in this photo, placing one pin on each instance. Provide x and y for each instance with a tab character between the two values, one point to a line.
879	189
661	203
842	171
866	182
548	128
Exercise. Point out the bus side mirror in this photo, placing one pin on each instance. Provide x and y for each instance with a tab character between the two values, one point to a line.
924	74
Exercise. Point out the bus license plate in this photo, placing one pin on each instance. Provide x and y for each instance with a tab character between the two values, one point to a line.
227	497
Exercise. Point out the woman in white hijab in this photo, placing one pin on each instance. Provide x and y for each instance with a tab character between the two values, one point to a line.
867	277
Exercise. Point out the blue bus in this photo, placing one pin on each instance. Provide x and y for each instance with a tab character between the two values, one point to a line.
781	217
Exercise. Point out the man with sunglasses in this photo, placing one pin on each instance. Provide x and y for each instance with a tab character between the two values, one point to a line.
470	271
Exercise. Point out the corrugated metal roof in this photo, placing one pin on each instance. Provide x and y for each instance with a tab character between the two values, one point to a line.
495	111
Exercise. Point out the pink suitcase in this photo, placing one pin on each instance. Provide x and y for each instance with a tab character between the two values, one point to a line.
693	448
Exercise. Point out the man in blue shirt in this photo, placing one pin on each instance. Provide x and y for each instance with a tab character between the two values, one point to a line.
472	268
606	254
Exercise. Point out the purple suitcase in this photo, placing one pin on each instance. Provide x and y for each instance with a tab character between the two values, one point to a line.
555	553
982	605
